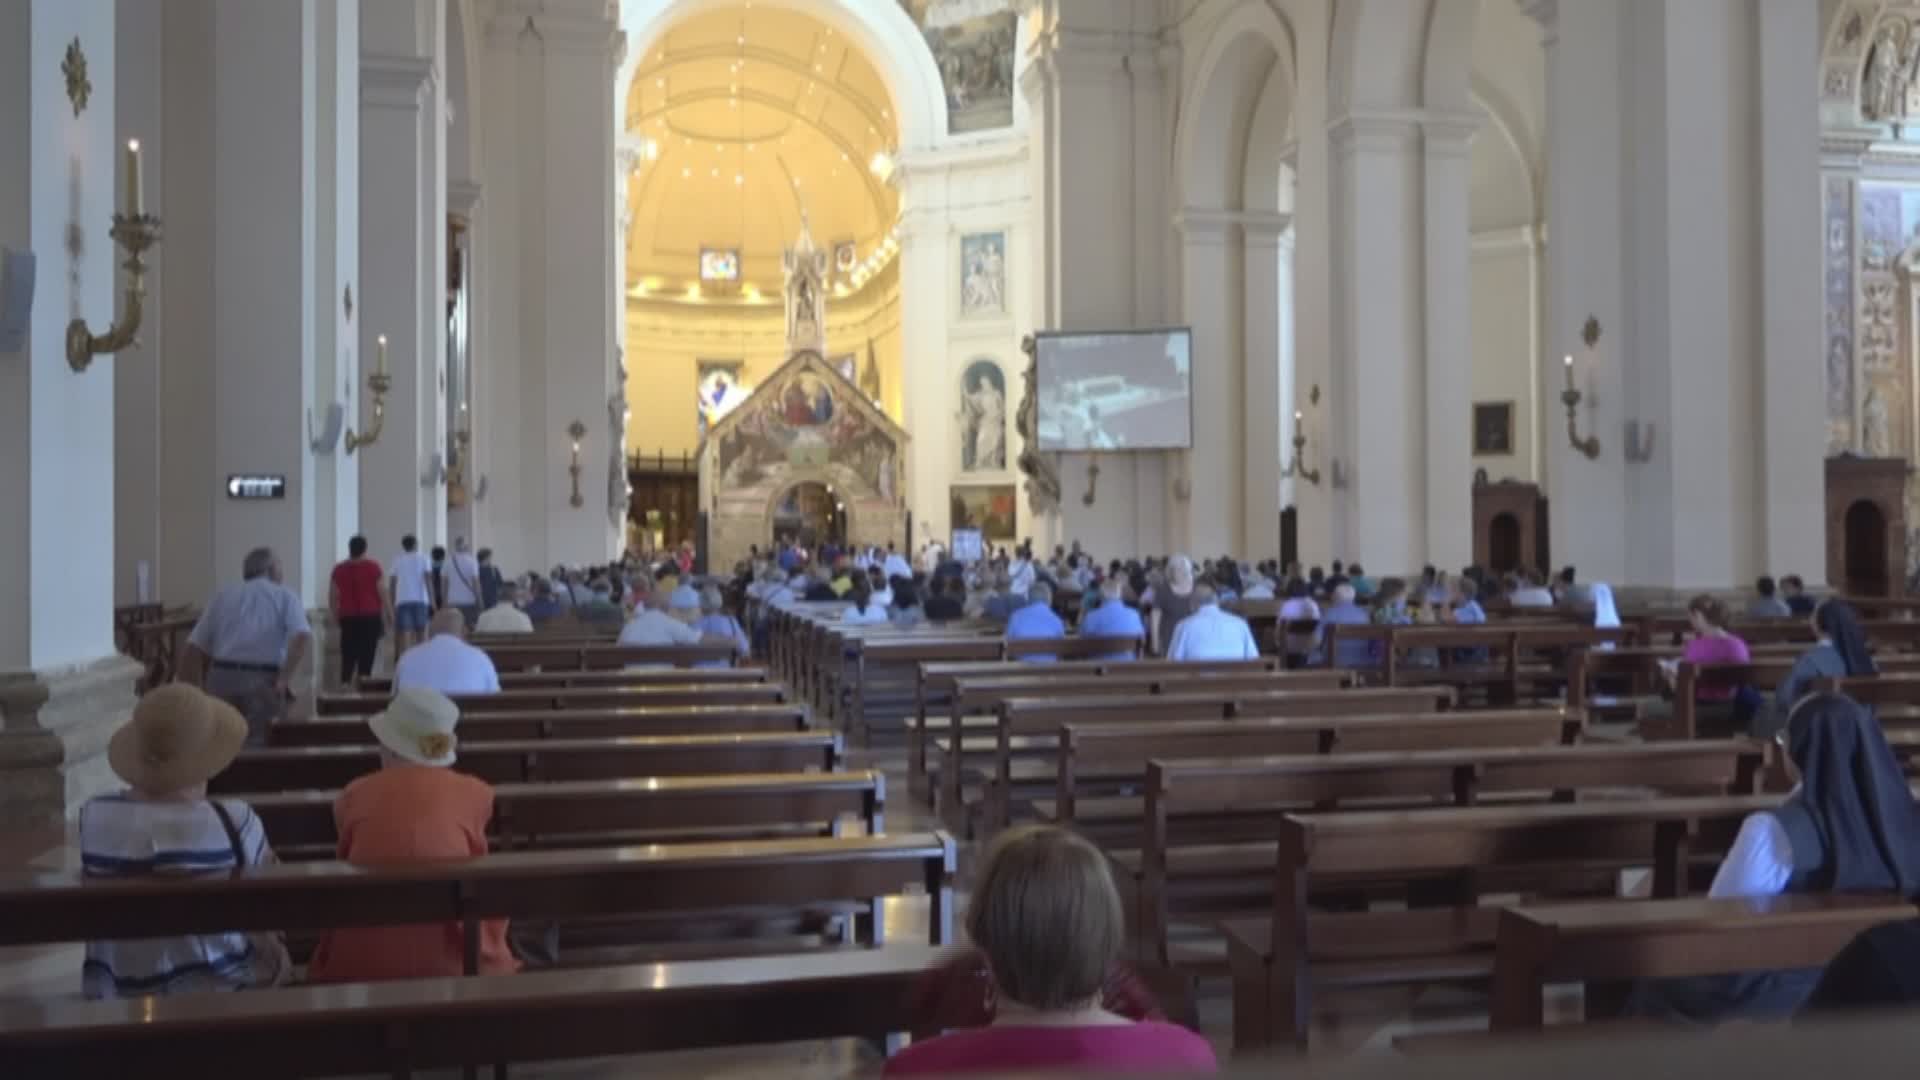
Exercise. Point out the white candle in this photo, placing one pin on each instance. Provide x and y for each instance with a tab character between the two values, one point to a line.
136	199
381	364
1569	371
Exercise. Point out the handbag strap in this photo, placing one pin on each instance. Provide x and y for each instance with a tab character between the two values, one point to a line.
233	835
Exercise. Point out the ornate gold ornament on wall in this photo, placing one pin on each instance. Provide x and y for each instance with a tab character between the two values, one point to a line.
1043	478
74	67
578	431
1297	467
135	231
1570	397
379	382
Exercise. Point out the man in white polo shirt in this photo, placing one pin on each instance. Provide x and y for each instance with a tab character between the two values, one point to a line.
461	580
505	617
445	662
409	580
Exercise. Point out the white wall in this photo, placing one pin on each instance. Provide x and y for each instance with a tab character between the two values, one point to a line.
1505	303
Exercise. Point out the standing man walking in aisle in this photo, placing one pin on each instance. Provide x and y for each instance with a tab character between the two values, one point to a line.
358	609
248	643
461	581
410	589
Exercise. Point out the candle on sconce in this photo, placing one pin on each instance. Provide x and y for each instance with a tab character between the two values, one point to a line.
1569	366
381	363
136	199
1297	417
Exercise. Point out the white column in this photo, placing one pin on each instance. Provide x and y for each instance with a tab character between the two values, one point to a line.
1212	272
138	405
505	447
63	688
926	246
1267	300
1377	416
264	282
1793	481
1448	393
1586	152
403	259
336	276
468	519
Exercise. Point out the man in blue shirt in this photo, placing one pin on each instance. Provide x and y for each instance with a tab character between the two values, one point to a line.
1113	618
1037	621
1468	612
1343	611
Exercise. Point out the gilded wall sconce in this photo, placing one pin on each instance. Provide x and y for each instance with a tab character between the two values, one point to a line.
135	231
1570	397
379	382
1297	467
579	431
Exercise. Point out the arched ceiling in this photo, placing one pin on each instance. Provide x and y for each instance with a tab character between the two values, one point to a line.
747	116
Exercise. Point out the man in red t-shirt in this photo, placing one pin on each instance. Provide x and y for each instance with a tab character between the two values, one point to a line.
358	609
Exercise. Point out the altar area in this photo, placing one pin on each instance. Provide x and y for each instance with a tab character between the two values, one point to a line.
806	424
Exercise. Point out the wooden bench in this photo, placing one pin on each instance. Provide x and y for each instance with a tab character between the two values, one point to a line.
398	1029
1206	805
562	680
1279	961
884	684
1036	722
570	724
1103	756
536	760
601	654
599	813
613	697
975	701
1670	938
663	881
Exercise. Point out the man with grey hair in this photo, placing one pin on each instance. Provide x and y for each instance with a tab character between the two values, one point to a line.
248	643
445	662
1210	633
505	617
1036	622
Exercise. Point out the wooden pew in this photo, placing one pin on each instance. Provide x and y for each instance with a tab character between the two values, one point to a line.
597	813
1110	755
1279	961
614	697
537	760
399	1029
975	701
663	881
569	724
1032	725
936	683
603	654
562	680
1670	938
1196	811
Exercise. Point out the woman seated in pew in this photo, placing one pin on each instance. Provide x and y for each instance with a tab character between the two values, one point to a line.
866	611
414	809
1841	651
164	825
1849	826
1046	918
1711	643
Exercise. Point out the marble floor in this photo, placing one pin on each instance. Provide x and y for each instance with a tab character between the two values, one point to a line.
1364	1023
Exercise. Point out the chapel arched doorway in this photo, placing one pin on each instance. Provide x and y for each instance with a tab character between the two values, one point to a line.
1866	550
809	514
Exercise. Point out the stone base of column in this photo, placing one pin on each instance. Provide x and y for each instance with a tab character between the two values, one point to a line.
54	727
322	674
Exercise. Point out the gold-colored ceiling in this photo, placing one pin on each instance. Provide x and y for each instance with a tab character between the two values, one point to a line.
748	116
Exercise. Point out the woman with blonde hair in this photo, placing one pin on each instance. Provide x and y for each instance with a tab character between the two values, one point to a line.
1047	921
1173	601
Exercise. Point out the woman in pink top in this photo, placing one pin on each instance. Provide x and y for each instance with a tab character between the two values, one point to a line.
1047	917
1712	643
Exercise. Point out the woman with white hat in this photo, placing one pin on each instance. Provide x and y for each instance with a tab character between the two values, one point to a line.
179	738
414	809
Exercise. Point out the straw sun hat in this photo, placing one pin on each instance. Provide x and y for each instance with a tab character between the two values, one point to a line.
179	736
418	726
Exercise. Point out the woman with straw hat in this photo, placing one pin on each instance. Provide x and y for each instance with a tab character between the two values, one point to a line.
179	738
414	809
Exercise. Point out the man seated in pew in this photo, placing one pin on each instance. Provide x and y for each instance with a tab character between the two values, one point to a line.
163	824
1345	610
1211	633
1112	617
1036	621
1712	643
651	625
715	622
1840	651
1794	589
505	617
864	610
1047	917
414	808
1850	826
1766	602
445	662
1296	612
544	607
948	599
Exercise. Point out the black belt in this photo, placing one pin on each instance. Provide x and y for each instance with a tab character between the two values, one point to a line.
263	669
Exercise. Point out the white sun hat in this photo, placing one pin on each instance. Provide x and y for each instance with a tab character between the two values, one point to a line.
418	726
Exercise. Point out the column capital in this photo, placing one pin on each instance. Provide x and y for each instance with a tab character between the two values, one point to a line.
1375	131
463	198
1448	133
396	82
1206	226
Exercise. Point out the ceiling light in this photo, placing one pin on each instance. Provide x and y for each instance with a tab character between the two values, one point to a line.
738	179
716	174
662	83
882	165
686	174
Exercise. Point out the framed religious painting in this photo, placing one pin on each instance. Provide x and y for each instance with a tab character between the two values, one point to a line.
1492	428
990	508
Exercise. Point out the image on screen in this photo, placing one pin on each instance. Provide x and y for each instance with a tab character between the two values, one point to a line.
1128	390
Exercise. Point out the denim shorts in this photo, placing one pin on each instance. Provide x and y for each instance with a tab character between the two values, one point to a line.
408	617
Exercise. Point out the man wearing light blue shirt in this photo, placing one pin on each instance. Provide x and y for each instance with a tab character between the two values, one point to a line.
1343	611
1113	618
1037	622
1210	633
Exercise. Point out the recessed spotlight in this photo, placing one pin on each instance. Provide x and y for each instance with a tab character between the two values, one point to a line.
716	174
738	179
686	174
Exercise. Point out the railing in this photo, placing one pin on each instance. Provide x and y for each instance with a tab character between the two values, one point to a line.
661	462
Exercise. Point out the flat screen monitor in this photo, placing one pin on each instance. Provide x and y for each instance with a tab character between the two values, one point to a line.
1116	390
